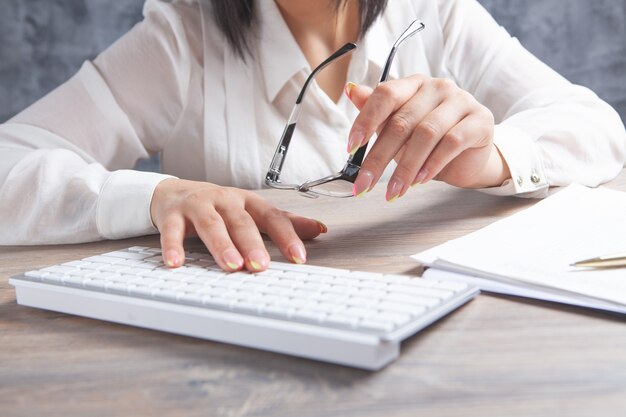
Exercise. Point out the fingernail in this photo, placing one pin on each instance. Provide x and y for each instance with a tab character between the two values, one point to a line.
323	228
393	190
172	259
354	141
363	183
348	89
233	259
297	253
258	260
421	176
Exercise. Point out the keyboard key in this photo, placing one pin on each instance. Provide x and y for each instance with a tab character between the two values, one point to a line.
116	287
141	291
413	310
157	259
75	264
54	278
309	315
165	294
221	303
103	275
374	285
420	282
395	279
60	269
202	256
246	307
359	312
370	293
101	259
397	319
376	326
411	299
37	274
341	321
154	251
367	276
95	284
420	291
341	289
114	268
128	255
276	311
73	281
269	273
200	264
361	301
330	308
191	298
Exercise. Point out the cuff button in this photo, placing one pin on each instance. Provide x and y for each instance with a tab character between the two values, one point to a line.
536	179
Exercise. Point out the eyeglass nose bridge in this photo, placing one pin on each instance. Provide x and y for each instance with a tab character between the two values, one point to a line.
348	174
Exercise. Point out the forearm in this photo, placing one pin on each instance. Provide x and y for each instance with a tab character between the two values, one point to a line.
51	192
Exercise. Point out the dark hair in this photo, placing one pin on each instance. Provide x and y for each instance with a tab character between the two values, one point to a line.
236	19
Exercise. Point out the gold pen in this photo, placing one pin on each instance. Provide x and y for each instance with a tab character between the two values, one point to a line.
607	261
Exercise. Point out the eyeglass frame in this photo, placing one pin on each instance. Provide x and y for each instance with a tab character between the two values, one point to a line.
353	164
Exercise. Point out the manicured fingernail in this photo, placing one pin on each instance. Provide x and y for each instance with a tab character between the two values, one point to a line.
363	183
394	189
297	253
323	228
421	176
354	141
258	260
172	259
348	89
233	259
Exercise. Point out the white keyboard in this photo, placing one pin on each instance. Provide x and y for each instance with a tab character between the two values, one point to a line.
346	317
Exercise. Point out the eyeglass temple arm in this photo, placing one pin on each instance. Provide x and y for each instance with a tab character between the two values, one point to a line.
276	166
415	27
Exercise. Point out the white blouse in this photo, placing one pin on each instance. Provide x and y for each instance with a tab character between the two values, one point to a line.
172	85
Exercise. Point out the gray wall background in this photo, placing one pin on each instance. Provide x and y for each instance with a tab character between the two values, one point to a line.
43	42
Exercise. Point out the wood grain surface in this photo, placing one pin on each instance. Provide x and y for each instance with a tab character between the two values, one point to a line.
495	356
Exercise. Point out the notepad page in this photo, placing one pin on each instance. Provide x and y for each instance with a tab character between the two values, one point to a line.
537	246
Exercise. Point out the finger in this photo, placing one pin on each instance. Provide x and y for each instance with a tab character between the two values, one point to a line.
212	231
425	138
279	226
471	130
246	236
384	101
172	236
307	229
280	229
394	136
358	94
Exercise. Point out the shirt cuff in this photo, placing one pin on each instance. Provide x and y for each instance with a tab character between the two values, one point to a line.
124	204
528	178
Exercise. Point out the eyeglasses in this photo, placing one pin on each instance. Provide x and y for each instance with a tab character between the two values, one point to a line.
341	183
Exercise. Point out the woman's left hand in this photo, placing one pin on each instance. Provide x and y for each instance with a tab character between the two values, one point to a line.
432	128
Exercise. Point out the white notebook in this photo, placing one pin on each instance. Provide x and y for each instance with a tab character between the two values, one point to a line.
530	253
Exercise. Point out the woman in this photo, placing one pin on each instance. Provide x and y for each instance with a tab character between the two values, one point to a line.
210	84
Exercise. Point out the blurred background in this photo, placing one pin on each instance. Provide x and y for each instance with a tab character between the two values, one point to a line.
44	42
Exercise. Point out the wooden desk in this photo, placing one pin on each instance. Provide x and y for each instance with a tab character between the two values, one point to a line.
495	356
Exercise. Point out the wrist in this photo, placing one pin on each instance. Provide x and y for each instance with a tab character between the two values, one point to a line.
495	171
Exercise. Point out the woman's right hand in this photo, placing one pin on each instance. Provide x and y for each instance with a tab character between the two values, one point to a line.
229	221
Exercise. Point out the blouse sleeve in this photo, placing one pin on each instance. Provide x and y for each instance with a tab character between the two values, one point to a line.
65	161
549	131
